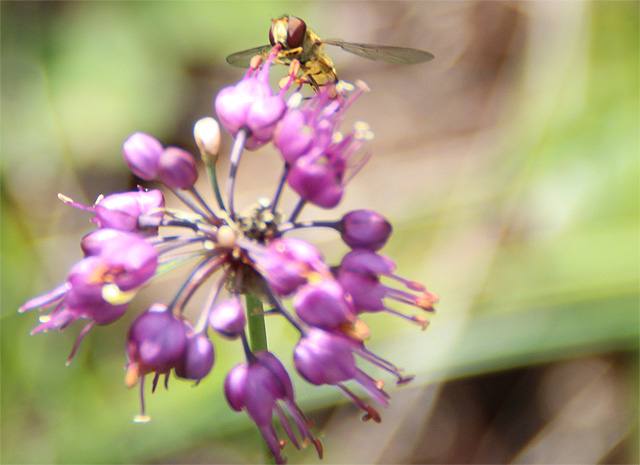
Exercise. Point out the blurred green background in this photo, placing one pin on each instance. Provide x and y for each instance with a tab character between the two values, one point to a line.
508	165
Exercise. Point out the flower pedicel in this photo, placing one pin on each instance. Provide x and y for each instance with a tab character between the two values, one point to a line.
243	254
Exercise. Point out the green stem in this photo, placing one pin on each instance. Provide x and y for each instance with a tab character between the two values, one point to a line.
257	342
213	178
255	322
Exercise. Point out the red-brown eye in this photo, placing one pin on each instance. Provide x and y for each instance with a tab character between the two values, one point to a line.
271	39
297	30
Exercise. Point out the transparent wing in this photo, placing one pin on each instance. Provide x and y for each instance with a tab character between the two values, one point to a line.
242	59
399	55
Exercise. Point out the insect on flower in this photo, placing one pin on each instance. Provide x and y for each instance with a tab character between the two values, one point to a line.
247	253
300	43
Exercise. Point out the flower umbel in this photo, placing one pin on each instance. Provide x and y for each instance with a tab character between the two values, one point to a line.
250	254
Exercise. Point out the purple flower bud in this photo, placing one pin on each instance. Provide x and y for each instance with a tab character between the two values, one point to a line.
156	341
81	297
142	153
262	119
318	180
130	260
365	229
360	278
360	272
323	357
95	242
251	105
86	279
118	211
198	356
235	386
288	263
177	168
151	205
262	388
122	211
233	103
104	313
228	318
324	304
292	136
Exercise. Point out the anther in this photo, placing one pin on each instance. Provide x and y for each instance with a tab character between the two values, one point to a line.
256	61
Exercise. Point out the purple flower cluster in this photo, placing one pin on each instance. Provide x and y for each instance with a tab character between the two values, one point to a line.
244	254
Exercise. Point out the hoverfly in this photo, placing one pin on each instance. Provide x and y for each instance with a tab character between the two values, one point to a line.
301	43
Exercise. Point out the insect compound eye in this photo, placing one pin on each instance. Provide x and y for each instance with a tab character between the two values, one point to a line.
271	38
297	30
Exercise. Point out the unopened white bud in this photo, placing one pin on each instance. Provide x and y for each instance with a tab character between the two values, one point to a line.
207	135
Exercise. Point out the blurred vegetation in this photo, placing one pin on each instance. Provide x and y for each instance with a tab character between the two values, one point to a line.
525	223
